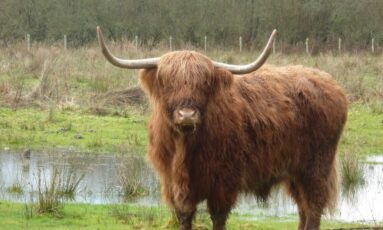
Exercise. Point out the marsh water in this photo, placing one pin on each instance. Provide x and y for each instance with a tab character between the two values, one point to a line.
104	177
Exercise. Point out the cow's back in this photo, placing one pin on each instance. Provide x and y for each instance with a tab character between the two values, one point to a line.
294	115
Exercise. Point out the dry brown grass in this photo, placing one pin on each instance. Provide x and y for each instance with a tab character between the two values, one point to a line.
82	78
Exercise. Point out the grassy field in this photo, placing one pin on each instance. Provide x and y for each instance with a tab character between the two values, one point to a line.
74	99
363	133
39	129
81	78
85	216
48	96
36	129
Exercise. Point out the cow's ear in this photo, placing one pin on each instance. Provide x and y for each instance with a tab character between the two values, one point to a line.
224	78
149	81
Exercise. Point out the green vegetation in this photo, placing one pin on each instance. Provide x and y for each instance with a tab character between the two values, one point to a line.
85	216
132	183
52	194
70	80
15	188
70	183
52	98
223	21
30	128
35	129
74	99
352	173
363	133
49	201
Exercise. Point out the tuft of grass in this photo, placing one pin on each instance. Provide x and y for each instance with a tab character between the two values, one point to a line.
15	188
129	175
54	190
139	218
95	142
70	183
66	127
49	199
51	118
28	211
134	140
376	107
352	173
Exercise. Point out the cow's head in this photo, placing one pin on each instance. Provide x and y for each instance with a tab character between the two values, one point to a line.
182	83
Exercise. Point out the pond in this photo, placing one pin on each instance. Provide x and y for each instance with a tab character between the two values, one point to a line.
110	178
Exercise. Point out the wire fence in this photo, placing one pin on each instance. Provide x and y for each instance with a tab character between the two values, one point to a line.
311	46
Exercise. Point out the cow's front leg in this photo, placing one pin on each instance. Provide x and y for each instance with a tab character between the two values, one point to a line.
185	219
219	219
184	205
220	205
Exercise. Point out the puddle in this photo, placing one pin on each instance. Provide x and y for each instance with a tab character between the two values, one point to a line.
102	184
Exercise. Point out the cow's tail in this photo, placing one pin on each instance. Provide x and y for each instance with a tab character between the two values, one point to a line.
333	190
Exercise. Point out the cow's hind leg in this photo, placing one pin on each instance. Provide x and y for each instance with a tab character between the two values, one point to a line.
317	196
320	187
295	190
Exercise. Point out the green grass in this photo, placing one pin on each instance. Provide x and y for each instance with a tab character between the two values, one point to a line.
363	134
85	216
36	129
39	129
69	87
351	169
15	188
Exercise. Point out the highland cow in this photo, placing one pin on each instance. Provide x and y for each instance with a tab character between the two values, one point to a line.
218	130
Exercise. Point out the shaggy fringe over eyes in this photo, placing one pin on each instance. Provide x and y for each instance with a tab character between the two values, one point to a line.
177	69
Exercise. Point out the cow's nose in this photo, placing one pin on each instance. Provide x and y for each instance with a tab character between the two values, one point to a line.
186	117
186	113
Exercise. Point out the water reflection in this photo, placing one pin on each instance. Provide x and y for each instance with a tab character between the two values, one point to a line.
101	182
115	179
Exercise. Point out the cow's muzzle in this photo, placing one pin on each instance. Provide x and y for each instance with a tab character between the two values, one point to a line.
186	117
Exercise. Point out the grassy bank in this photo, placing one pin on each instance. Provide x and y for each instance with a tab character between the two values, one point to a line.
39	129
85	216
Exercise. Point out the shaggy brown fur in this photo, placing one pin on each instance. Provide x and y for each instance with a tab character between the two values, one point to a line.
275	125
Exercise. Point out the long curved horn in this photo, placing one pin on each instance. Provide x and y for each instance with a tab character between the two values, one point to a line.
125	63
243	69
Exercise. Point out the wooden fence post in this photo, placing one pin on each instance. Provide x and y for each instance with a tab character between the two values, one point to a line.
136	42
205	43
65	42
28	42
307	45
373	45
170	43
274	46
240	44
340	45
